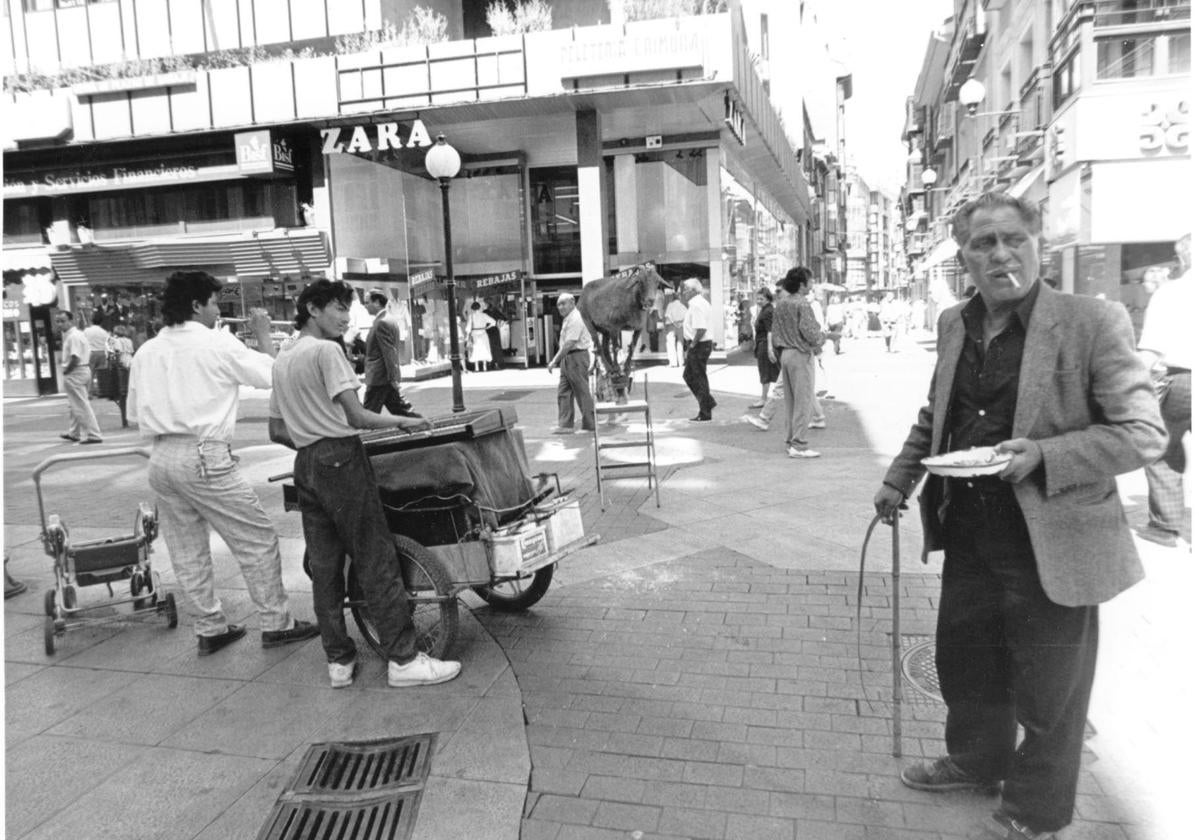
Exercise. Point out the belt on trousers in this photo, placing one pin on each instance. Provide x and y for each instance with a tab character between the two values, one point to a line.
577	350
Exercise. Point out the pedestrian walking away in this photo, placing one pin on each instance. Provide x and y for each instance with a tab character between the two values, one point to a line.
314	410
676	313
768	369
381	365
1167	346
794	342
698	331
1052	382
77	382
183	394
97	343
574	357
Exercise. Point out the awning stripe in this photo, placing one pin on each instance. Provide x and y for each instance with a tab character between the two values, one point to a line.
944	250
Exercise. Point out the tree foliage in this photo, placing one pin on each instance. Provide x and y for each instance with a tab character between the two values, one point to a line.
655	9
527	16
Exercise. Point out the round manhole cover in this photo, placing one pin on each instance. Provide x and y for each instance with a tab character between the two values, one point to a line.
919	666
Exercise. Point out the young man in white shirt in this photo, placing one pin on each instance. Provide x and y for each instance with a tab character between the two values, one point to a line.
574	359
697	330
315	410
77	381
183	392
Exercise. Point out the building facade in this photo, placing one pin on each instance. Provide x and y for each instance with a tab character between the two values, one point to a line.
1084	111
272	141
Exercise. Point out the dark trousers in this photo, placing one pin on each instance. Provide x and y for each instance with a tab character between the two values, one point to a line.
695	374
573	387
387	396
1007	655
342	515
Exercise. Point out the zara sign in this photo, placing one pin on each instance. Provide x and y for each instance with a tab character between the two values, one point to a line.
361	138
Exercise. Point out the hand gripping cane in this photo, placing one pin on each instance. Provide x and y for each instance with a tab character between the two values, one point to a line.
896	678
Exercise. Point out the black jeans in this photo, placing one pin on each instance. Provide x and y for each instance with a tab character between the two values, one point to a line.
342	515
387	396
1007	655
695	374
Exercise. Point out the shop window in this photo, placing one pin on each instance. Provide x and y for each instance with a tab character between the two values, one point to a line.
1125	58
555	220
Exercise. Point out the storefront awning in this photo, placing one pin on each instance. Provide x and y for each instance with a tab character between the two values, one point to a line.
944	250
26	260
290	253
270	254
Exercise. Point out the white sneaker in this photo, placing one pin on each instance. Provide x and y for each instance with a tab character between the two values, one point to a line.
424	670
818	424
792	452
342	676
755	421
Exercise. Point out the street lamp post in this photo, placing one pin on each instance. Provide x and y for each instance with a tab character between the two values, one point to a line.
443	163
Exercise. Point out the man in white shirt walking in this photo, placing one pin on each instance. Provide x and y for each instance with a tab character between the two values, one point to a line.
574	359
97	342
183	391
77	381
697	330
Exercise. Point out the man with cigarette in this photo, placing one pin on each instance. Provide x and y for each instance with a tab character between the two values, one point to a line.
1052	381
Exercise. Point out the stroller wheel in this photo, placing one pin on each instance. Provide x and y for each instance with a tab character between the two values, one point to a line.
136	582
48	633
168	607
68	597
48	603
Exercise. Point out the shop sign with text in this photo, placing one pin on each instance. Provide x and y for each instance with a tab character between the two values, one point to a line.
258	152
420	281
379	137
507	278
58	182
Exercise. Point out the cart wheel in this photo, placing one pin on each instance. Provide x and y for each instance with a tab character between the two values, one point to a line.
68	597
48	633
519	594
168	607
48	603
436	622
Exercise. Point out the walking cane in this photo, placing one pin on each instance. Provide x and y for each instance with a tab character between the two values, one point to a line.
896	678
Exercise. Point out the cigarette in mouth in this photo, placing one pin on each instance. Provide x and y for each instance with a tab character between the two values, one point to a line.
1012	277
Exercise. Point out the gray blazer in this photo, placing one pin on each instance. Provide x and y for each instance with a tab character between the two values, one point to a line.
1085	398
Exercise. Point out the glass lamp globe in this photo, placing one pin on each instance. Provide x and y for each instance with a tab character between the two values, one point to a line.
443	160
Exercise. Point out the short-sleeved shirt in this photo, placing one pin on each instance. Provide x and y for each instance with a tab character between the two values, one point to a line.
1168	322
573	329
676	312
699	317
97	338
307	378
74	343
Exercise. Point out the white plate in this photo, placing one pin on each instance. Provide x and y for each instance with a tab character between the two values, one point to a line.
968	463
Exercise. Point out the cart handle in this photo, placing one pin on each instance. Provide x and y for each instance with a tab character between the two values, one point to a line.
93	455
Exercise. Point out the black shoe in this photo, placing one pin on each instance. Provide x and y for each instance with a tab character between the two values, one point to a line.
302	631
71	438
408	412
211	644
90	440
701	419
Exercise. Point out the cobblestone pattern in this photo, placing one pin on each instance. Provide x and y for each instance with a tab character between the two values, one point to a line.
715	697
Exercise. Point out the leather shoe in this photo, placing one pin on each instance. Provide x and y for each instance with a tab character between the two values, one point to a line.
943	775
71	438
207	645
699	418
302	631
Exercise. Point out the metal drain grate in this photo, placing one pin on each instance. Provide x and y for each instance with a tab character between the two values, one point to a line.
354	790
509	396
919	666
365	766
385	818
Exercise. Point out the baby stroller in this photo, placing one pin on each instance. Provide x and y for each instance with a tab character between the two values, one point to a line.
103	561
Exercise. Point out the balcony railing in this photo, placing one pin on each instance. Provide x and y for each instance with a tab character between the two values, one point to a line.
1126	13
